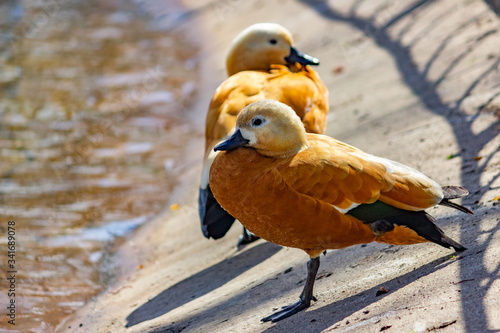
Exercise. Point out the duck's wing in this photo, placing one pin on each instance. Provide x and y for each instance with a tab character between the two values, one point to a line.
387	195
215	221
346	177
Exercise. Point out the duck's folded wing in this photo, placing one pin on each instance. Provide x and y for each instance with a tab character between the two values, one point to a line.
346	177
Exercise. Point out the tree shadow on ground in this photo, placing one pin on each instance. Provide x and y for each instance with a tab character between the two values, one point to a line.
337	311
325	316
470	142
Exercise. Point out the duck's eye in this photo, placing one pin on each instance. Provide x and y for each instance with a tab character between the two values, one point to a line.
257	122
273	41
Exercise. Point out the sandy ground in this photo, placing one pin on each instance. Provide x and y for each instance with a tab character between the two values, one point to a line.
414	81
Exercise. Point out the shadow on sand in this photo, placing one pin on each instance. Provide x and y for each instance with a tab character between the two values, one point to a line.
418	80
321	318
201	283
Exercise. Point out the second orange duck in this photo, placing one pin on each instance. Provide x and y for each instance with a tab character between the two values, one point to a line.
315	193
262	63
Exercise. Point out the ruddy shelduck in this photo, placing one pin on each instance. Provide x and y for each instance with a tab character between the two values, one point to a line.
262	63
313	192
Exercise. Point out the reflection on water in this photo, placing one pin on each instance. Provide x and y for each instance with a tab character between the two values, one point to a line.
91	123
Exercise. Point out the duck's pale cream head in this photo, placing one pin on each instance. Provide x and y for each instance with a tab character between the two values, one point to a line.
270	127
262	45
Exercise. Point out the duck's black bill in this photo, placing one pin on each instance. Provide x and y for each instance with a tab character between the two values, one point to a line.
301	58
236	140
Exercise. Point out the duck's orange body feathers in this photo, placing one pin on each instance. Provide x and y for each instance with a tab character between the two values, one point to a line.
302	90
298	201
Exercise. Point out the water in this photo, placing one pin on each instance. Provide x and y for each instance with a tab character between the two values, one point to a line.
92	96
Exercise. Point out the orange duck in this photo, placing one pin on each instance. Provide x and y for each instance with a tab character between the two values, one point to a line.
262	64
313	192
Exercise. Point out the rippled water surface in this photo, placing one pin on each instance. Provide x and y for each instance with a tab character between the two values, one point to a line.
92	95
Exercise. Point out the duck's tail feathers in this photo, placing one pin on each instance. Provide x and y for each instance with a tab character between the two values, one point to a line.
454	192
424	225
215	221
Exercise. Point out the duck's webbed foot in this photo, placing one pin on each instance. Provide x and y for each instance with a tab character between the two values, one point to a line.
287	311
381	227
246	238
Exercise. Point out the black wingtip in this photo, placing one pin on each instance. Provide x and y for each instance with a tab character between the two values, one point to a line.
424	225
452	244
215	221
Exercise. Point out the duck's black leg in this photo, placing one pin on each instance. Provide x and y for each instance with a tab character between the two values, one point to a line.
305	297
246	238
